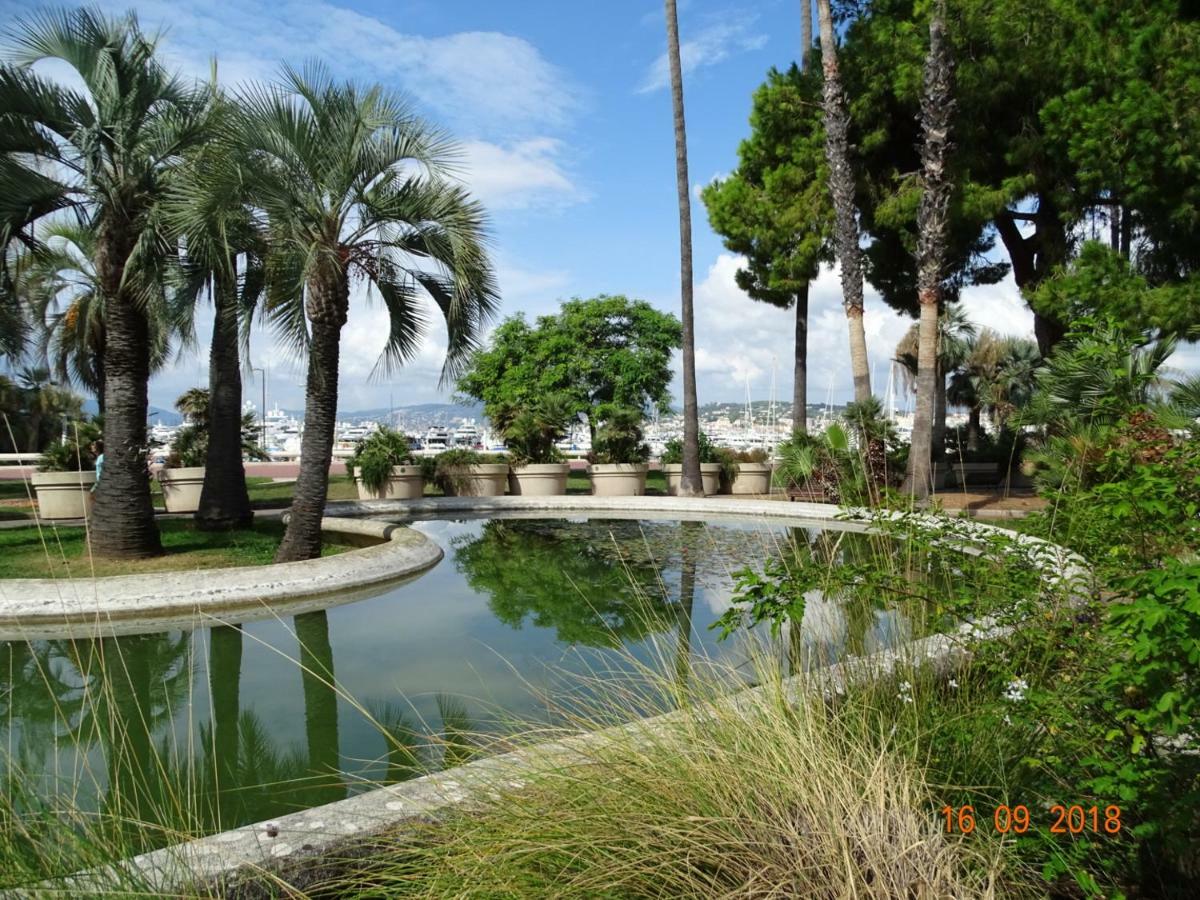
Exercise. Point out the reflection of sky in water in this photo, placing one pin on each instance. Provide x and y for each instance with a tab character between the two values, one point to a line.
442	635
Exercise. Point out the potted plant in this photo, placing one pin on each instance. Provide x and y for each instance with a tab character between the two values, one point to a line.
383	468
465	473
66	477
619	455
710	465
182	475
745	472
537	468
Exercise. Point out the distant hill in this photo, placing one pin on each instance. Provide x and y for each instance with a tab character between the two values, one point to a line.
158	416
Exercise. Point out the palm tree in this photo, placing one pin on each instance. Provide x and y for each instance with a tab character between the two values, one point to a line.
66	306
208	210
996	377
352	187
320	707
937	104
954	335
841	188
690	484
107	152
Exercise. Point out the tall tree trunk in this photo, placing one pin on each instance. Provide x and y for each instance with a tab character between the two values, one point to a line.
690	534
224	687
940	402
841	188
690	483
224	501
973	428
123	523
320	707
800	377
1033	258
328	301
937	103
806	17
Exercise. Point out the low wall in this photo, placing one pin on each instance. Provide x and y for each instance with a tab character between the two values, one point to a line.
32	608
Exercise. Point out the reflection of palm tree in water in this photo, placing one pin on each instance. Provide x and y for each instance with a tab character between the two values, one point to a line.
688	551
224	687
320	708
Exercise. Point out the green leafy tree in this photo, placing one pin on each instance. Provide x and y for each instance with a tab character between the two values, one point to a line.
353	188
774	209
107	151
599	355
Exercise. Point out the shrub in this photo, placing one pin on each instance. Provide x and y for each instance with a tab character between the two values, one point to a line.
451	470
375	456
619	438
73	454
530	433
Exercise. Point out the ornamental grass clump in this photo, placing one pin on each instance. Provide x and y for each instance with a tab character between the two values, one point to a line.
765	795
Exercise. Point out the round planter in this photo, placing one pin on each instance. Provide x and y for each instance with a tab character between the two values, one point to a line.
539	479
405	483
752	479
710	475
181	488
618	479
64	495
486	480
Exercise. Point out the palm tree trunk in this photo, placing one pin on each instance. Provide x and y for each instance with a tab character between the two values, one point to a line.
973	428
938	451
805	31
690	484
800	377
320	707
328	301
123	523
841	188
224	502
936	105
690	534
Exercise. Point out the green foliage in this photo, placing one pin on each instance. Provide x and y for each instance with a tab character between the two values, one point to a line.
673	451
189	447
530	432
374	457
74	454
597	355
619	438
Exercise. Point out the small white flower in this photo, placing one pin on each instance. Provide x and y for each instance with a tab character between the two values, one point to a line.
1015	692
953	683
1007	720
905	687
905	697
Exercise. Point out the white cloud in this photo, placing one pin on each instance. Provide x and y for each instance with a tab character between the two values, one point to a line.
475	81
523	175
738	338
710	45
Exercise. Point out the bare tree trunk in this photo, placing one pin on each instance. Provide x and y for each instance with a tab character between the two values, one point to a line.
690	484
224	501
806	17
327	305
800	378
841	188
123	523
973	428
938	450
937	103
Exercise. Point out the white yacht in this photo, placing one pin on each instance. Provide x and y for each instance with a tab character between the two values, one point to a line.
466	435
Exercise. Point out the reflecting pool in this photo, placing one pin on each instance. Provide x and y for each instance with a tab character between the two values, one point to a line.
238	723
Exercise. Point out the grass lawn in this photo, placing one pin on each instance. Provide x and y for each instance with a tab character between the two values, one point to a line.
61	552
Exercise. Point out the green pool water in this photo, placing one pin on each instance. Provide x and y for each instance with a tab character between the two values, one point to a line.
243	723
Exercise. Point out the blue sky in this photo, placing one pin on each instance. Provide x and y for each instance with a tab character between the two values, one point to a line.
564	113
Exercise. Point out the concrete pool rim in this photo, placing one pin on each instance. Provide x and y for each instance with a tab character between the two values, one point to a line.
308	833
385	554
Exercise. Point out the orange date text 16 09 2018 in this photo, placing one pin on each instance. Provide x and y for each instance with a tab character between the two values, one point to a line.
1062	819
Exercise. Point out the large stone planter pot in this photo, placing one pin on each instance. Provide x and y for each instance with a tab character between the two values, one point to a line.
618	479
710	475
752	479
486	480
539	479
963	474
181	488
940	472
405	483
64	495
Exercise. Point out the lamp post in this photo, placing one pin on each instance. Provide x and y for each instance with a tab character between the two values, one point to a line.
263	409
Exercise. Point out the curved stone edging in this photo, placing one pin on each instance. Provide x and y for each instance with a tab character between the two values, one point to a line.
323	829
46	607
